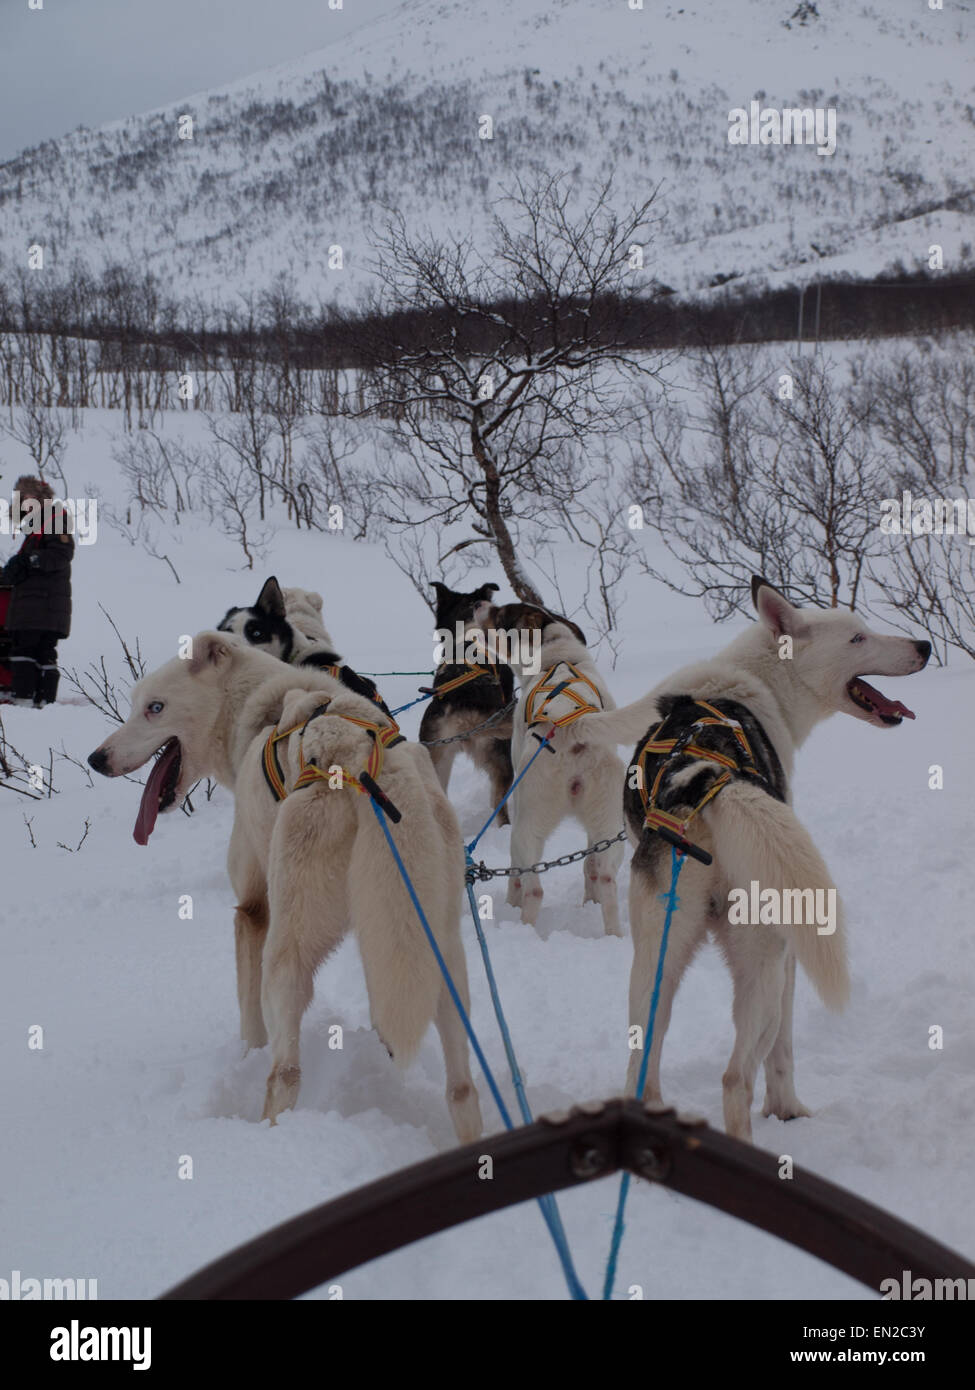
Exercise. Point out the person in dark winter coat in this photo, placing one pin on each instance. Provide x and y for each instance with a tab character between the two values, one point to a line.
40	603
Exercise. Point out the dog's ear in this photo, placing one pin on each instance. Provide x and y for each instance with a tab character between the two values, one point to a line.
532	618
314	600
210	650
442	591
486	592
758	582
545	617
573	627
514	616
270	599
780	616
577	630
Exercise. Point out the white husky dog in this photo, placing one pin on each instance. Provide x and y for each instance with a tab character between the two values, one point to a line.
307	868
582	779
775	683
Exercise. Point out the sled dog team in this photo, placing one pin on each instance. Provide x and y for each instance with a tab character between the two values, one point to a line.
267	707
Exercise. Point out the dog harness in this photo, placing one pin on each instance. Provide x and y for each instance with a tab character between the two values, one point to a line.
336	668
473	672
543	691
674	738
383	736
336	673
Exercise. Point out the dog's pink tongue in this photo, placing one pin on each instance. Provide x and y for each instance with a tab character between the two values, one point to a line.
149	805
883	705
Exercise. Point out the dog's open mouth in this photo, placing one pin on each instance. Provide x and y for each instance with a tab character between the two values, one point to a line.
159	792
871	700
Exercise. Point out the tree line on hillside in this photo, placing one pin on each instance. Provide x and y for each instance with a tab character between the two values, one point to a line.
492	398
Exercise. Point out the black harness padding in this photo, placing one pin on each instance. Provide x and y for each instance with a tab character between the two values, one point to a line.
361	685
321	659
679	714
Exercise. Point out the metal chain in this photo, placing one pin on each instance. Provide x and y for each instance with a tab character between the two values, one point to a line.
478	728
482	872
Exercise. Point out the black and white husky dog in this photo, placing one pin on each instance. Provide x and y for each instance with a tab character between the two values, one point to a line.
469	694
288	624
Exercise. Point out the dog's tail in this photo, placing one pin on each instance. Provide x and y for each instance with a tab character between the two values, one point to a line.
615	726
757	838
403	979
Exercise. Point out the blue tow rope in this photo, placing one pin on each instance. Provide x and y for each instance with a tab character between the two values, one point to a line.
418	701
552	1217
542	743
673	902
547	1203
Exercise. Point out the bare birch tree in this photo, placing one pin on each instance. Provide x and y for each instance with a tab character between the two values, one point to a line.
521	370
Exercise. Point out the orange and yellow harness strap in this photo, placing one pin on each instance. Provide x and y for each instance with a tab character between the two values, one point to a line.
384	735
544	690
474	672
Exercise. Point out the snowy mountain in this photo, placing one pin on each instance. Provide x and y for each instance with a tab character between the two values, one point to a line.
302	157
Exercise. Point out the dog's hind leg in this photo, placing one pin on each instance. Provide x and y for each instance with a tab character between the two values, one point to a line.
688	929
494	755
780	1092
285	995
525	890
600	870
308	918
250	930
462	1101
757	957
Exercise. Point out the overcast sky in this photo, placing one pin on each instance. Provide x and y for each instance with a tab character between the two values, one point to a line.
84	62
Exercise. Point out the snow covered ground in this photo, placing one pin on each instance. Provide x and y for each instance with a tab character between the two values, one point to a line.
141	1065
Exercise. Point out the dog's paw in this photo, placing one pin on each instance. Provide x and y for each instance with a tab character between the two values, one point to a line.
786	1108
531	905
282	1091
465	1112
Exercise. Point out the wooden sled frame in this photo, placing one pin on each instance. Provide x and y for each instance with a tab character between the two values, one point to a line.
566	1150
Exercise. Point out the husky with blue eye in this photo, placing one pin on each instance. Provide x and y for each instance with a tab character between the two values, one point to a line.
287	623
308	862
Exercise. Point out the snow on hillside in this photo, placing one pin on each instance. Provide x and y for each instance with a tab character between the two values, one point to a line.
141	1063
304	156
